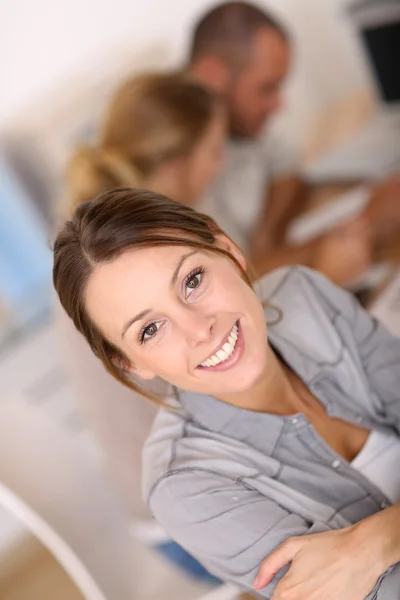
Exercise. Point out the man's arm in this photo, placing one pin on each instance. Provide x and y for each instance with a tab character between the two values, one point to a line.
284	200
303	254
342	255
383	210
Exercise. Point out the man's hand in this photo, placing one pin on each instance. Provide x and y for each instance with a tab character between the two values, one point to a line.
345	253
334	565
383	210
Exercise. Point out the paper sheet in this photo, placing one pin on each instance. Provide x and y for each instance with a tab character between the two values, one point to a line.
330	215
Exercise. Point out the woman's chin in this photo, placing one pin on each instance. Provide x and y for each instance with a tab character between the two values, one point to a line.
241	382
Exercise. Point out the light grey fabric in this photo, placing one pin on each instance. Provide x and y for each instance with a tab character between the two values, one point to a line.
230	485
239	195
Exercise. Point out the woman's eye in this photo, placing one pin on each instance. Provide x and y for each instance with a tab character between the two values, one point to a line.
193	281
149	331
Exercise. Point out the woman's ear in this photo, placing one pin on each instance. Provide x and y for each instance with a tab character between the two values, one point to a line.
143	373
224	242
133	370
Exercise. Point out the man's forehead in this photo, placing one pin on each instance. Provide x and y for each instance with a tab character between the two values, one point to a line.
267	46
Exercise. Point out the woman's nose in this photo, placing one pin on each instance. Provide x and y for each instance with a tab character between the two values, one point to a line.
198	329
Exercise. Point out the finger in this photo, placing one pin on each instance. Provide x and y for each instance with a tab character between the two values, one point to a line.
283	555
282	586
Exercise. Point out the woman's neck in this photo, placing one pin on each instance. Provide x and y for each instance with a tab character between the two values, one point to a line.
272	393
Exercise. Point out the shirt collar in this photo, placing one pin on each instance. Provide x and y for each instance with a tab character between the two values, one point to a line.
260	430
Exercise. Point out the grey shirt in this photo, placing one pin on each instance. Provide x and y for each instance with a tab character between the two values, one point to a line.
230	485
239	196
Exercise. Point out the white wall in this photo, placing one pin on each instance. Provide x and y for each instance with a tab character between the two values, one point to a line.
44	44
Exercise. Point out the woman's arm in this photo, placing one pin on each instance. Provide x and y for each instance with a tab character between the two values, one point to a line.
222	522
338	565
346	564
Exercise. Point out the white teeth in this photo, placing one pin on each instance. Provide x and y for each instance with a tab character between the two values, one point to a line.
228	348
225	352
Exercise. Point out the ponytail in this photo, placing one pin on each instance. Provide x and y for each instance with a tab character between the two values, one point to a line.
93	171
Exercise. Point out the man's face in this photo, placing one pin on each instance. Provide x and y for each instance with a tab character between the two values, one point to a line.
255	93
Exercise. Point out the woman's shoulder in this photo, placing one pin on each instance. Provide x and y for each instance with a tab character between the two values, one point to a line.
180	451
284	286
289	278
308	314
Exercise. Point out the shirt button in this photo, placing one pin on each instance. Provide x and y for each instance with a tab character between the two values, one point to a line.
384	505
295	420
336	464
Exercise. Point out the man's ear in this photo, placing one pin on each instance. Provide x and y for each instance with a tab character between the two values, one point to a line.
224	242
213	73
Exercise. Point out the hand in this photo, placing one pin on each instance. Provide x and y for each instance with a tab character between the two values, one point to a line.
383	210
345	254
334	565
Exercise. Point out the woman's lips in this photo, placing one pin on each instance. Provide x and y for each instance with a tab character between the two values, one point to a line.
233	359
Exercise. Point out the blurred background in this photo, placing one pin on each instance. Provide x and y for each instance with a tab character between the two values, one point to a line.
69	526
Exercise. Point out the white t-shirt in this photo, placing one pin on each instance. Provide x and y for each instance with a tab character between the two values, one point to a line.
237	198
379	461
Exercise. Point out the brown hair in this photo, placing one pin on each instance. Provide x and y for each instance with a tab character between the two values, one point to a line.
228	29
99	231
151	119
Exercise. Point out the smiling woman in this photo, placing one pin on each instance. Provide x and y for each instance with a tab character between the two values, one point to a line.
109	280
278	426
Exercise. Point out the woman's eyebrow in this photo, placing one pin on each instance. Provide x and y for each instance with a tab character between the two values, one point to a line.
138	317
178	266
145	312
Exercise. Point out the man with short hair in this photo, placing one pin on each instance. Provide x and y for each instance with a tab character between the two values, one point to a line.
244	54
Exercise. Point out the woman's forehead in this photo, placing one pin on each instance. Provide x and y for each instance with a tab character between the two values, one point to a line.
136	277
147	264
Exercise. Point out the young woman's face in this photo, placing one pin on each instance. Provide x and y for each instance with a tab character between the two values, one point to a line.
184	315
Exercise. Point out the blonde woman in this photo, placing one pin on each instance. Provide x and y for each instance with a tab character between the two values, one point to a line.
163	132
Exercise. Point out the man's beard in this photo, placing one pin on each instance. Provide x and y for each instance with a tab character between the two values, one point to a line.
236	128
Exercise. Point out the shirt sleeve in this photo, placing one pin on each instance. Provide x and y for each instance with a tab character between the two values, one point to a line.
225	524
379	350
388	585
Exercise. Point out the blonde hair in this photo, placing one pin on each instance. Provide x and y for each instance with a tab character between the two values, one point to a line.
151	119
